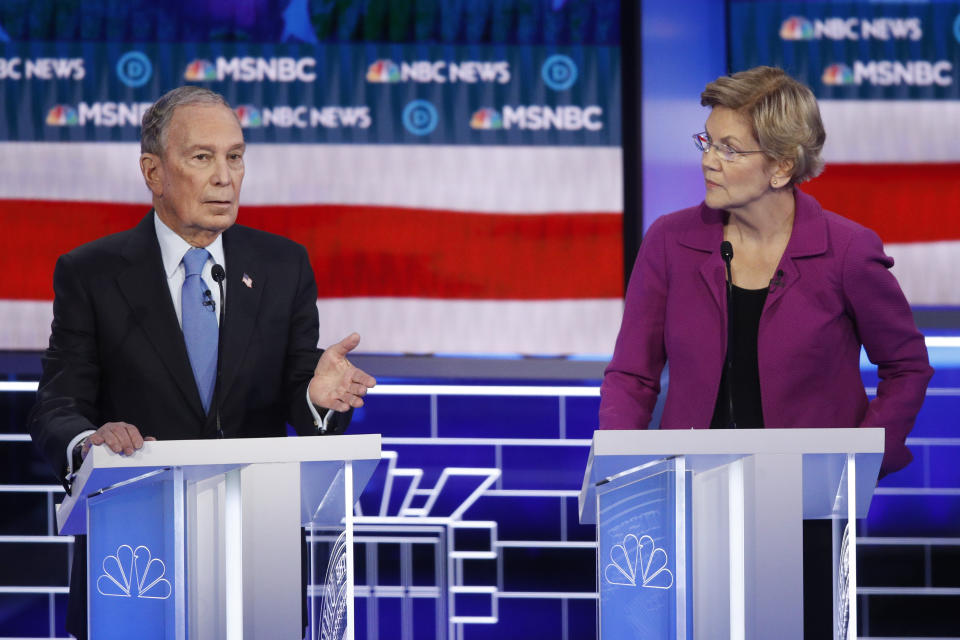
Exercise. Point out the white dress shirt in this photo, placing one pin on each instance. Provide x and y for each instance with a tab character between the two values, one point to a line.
172	250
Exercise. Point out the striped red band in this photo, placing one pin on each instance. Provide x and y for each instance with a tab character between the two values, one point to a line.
901	202
360	251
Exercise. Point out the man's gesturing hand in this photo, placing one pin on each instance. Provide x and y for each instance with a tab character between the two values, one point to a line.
337	384
119	436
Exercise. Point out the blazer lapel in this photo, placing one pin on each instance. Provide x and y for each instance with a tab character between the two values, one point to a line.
714	274
706	237
146	291
809	238
245	283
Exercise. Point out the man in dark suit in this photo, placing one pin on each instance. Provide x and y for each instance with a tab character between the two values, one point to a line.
143	348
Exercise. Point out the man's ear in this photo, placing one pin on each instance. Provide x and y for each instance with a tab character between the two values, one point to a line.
152	169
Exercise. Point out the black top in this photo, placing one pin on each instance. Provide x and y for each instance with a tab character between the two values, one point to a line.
747	307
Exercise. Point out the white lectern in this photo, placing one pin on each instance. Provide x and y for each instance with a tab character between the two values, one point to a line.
202	538
699	532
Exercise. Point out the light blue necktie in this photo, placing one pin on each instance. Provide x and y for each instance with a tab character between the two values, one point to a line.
200	329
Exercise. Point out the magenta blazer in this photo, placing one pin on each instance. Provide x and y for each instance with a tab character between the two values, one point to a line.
836	293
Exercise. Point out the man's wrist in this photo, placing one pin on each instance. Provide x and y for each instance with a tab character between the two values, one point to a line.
77	456
74	450
321	423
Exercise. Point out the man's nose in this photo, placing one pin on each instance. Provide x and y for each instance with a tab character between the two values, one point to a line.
221	172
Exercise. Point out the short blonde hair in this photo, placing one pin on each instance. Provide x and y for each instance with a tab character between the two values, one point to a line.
783	113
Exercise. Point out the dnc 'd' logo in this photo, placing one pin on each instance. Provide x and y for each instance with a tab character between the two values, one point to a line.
796	28
200	71
62	115
383	71
638	562
134	69
559	72
134	573
420	117
838	75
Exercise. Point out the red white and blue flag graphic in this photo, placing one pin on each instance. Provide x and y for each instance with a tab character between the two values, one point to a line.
422	249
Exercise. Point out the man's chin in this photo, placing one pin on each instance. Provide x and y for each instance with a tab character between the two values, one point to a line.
220	218
218	207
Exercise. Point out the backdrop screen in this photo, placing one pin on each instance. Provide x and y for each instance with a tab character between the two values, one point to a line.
454	169
887	76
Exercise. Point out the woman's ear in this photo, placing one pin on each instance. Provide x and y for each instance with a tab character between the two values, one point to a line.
782	174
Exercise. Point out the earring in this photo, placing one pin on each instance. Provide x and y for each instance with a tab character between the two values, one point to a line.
774	182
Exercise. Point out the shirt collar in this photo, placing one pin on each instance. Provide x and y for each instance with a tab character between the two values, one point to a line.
173	247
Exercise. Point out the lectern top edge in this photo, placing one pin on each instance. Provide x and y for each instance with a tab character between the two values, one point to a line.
826	450
239	451
104	468
668	442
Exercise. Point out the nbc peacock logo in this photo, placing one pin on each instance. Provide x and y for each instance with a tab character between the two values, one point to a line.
62	115
838	75
200	71
249	116
383	71
134	573
486	119
796	28
638	562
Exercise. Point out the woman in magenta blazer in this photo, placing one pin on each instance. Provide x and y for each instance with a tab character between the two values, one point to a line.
810	288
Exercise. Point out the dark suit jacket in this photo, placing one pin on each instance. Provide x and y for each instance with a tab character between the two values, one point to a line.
117	351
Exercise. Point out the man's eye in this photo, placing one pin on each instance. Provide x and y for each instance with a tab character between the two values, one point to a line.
202	156
236	156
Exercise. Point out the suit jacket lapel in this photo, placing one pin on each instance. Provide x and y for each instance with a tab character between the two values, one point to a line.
707	237
245	283
146	291
809	238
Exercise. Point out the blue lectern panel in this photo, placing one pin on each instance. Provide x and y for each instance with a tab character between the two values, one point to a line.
133	558
639	558
329	556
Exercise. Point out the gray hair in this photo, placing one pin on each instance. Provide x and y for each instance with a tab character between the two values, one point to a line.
156	119
783	113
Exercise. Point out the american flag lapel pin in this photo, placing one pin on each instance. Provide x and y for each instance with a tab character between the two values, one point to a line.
248	281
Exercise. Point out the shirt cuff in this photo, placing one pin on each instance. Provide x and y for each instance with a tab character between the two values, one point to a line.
73	443
322	424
